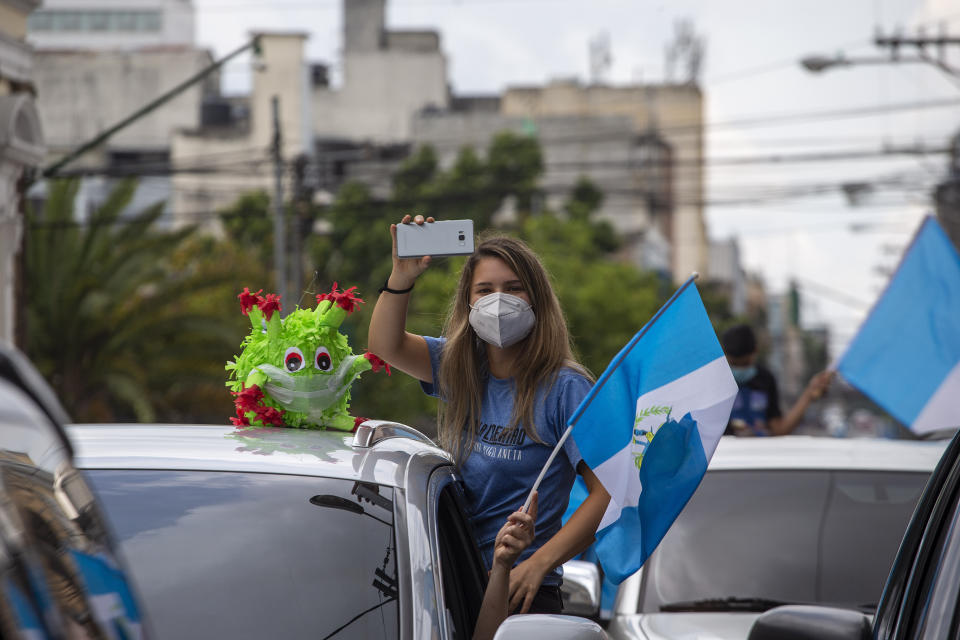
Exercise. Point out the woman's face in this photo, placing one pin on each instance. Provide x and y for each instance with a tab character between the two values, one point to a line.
492	275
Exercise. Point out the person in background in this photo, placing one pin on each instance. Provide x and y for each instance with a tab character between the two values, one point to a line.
512	539
756	410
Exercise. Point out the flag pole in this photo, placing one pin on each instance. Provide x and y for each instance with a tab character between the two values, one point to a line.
599	385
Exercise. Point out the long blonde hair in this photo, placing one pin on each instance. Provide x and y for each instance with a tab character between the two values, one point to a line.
464	367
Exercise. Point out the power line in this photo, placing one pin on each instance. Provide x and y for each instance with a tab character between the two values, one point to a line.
695	128
833	294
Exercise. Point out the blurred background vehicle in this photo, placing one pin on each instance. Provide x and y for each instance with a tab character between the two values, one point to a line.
777	521
920	599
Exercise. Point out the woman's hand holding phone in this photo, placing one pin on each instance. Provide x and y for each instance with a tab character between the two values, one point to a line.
407	270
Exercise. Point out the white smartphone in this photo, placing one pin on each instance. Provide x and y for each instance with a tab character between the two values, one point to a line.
441	238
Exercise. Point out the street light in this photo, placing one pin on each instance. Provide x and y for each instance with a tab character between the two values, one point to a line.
819	63
921	44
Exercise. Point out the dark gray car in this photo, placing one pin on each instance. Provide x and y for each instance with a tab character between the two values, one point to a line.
59	575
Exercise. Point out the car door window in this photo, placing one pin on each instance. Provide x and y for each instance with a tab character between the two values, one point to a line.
256	555
463	574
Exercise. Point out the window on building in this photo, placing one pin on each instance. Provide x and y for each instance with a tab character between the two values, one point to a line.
126	21
148	21
40	21
96	21
99	21
67	20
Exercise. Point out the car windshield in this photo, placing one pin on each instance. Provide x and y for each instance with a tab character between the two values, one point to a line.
247	555
782	536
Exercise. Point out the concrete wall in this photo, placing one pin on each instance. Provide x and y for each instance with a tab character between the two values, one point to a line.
674	112
381	93
726	267
108	24
21	149
198	196
81	93
388	77
239	160
14	21
283	73
363	25
598	147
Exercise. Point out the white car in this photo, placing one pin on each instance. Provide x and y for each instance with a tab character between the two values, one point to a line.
288	533
790	520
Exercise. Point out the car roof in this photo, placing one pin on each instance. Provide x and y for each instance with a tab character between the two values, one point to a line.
809	452
329	454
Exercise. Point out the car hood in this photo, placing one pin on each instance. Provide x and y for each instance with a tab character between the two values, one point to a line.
682	626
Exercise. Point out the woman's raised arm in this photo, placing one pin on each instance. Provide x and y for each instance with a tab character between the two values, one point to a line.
387	336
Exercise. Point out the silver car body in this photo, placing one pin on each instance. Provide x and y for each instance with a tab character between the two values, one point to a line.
383	453
783	453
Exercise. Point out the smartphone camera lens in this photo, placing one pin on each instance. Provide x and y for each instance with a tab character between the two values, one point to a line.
462	238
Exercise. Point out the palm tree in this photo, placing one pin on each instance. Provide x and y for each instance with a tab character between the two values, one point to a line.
115	317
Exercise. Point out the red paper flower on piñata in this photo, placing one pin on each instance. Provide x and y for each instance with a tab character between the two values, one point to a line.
251	399
346	300
248	399
376	363
270	415
269	304
249	300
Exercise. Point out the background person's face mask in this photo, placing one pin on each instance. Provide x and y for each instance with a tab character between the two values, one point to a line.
743	374
502	319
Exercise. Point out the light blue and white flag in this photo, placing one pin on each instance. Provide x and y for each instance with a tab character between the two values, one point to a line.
906	355
649	426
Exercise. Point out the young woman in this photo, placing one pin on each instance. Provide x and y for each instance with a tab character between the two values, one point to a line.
508	382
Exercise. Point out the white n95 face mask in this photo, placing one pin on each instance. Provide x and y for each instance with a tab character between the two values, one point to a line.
502	319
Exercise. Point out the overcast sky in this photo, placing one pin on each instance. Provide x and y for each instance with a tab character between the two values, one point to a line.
838	252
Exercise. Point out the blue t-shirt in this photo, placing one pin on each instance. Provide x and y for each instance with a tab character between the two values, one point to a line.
504	463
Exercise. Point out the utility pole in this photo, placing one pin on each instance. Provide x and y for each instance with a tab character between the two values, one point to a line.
279	226
301	204
920	43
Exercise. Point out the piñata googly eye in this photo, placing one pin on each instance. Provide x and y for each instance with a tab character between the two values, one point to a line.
293	359
322	359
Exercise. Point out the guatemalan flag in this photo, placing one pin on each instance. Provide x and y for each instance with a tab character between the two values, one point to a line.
906	356
650	425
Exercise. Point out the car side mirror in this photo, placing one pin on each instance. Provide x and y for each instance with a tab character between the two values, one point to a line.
542	625
581	588
800	622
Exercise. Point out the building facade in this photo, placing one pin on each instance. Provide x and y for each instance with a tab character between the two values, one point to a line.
21	151
388	76
666	162
726	269
642	145
112	24
97	63
603	148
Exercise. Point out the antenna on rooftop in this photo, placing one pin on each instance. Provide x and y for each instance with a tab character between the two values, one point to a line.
685	50
600	57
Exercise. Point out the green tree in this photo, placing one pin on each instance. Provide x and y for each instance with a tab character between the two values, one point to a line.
112	320
606	300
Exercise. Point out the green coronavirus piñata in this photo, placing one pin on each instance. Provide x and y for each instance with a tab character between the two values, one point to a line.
297	371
